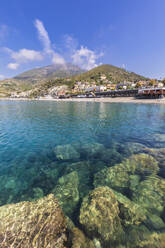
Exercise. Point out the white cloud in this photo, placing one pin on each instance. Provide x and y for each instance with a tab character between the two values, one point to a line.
44	37
2	77
22	56
70	42
82	56
13	66
25	55
86	58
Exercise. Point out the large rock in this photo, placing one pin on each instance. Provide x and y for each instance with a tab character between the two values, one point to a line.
83	169
129	148
154	222
67	192
119	177
79	240
130	212
157	153
40	224
115	177
150	194
66	152
142	164
111	156
153	240
91	150
99	216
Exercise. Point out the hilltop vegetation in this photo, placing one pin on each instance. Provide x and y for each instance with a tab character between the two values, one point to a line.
112	73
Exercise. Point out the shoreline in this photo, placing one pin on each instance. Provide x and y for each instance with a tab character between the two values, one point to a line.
103	99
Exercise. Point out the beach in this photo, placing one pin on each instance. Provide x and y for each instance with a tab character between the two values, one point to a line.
101	99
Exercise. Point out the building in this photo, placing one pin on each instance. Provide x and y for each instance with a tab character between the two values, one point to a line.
151	92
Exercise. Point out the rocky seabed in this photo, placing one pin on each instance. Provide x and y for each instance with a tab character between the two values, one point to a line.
86	196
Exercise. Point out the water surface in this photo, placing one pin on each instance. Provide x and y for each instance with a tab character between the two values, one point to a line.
36	136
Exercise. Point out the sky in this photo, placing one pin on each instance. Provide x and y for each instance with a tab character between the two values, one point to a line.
126	33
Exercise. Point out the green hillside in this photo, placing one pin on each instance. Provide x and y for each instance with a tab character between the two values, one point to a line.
112	73
29	79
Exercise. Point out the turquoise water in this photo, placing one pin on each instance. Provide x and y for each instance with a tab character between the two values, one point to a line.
42	142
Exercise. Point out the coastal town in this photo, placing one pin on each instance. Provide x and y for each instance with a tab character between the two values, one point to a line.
103	87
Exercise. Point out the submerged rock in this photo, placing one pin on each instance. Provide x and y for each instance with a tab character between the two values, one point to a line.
91	150
10	187
115	177
130	148
38	193
111	156
135	234
150	194
157	153
134	182
40	224
141	164
154	222
119	177
83	169
67	192
130	212
154	240
99	216
66	152
79	240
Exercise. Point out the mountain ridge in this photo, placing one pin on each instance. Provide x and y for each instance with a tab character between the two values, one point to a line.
56	75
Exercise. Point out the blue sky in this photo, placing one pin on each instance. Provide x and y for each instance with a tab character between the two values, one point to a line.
125	33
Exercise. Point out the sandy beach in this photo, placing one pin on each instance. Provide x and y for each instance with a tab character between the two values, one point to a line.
103	99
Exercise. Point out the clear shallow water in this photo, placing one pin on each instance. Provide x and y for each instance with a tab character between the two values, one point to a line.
36	136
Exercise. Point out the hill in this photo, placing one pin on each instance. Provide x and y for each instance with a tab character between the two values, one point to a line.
100	75
112	73
28	79
49	72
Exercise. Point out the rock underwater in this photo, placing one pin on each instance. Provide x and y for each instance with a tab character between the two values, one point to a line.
39	224
66	152
119	177
99	216
67	192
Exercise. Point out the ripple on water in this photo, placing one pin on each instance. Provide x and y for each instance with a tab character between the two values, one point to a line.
73	149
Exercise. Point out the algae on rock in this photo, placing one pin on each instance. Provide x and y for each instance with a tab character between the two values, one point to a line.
40	224
119	177
115	177
150	194
130	212
66	191
66	152
99	216
82	169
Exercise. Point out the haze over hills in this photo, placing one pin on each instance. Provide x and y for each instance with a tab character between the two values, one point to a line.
49	72
55	75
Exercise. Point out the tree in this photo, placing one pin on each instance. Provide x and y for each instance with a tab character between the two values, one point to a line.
163	81
152	82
